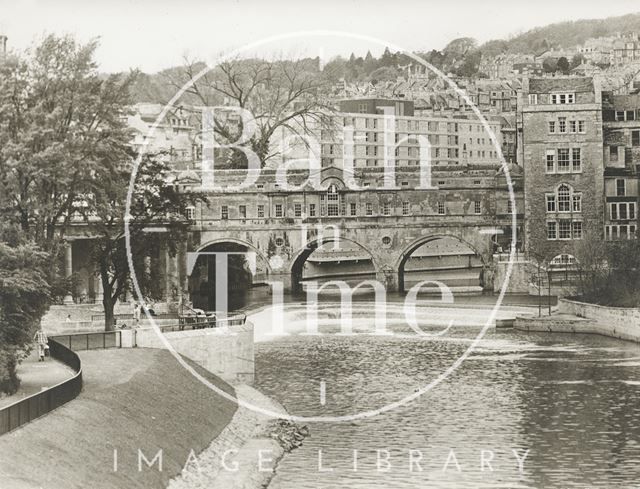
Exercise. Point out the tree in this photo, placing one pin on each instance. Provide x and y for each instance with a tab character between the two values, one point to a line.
280	95
60	120
563	65
577	60
24	298
155	203
550	65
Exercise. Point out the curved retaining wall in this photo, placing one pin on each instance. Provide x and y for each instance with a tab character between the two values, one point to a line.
580	317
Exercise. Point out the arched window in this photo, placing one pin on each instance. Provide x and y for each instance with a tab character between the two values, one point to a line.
564	198
333	199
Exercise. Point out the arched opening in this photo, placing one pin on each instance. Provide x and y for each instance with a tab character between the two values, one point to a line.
329	259
445	259
247	269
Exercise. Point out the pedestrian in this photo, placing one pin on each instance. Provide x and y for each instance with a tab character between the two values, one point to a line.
43	342
136	312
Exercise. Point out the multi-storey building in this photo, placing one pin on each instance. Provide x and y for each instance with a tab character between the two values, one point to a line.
560	149
626	49
621	121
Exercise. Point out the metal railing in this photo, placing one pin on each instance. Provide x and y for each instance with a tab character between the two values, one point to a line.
126	316
90	341
200	322
32	407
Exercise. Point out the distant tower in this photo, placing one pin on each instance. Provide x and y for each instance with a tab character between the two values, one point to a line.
3	45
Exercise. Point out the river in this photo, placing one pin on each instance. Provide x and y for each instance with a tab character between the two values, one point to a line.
523	410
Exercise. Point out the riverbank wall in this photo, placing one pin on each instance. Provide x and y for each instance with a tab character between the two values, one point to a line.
579	317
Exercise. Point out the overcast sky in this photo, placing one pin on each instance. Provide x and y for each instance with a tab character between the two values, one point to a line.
156	34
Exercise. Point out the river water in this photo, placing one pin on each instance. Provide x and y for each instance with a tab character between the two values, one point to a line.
523	410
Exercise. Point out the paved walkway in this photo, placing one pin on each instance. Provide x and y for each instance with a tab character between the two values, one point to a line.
35	376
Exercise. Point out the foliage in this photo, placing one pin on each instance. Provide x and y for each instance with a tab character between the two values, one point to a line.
609	272
154	204
24	298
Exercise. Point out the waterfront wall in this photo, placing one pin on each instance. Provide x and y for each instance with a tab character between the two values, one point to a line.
579	317
519	279
225	352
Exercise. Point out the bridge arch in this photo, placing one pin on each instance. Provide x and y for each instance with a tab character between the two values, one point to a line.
202	277
408	251
299	258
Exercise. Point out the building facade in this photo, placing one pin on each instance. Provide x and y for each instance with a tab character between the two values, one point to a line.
560	145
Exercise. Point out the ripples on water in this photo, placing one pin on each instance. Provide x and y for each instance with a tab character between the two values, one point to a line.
572	400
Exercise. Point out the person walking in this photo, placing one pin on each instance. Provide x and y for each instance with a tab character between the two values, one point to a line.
136	312
43	342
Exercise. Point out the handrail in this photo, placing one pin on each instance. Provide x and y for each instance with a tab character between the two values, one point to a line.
36	405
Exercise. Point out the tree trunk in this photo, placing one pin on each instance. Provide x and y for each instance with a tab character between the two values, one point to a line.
109	316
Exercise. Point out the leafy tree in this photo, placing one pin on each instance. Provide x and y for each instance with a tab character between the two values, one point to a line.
60	121
577	60
550	65
24	298
563	65
154	204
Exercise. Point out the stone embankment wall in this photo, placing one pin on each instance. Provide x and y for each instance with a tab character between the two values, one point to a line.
579	317
225	351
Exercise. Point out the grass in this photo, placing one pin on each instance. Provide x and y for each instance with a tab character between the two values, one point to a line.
132	399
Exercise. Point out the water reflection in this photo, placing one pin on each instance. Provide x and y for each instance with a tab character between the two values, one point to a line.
571	400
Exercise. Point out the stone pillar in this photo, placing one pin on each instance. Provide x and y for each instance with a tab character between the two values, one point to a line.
389	278
68	268
99	291
172	287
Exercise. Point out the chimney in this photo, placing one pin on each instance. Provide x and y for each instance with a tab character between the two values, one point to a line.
3	45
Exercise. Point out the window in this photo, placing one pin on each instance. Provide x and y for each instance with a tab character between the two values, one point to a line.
572	126
563	98
362	108
477	207
405	208
635	138
576	159
564	229
581	127
191	213
552	126
312	210
441	208
386	240
576	229
279	212
279	242
224	212
623	211
563	160
332	198
386	209
369	209
297	210
533	98
551	202
242	211
562	124
613	153
620	187
551	230
576	201
353	208
551	161
260	210
563	198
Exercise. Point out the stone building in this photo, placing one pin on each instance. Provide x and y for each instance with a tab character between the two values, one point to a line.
621	121
560	149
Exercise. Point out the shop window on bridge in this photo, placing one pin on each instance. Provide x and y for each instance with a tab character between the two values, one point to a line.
279	212
312	210
224	212
297	210
369	209
405	208
353	208
635	138
386	209
441	208
333	201
260	210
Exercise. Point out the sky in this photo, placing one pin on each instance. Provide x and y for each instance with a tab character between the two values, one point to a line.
155	34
